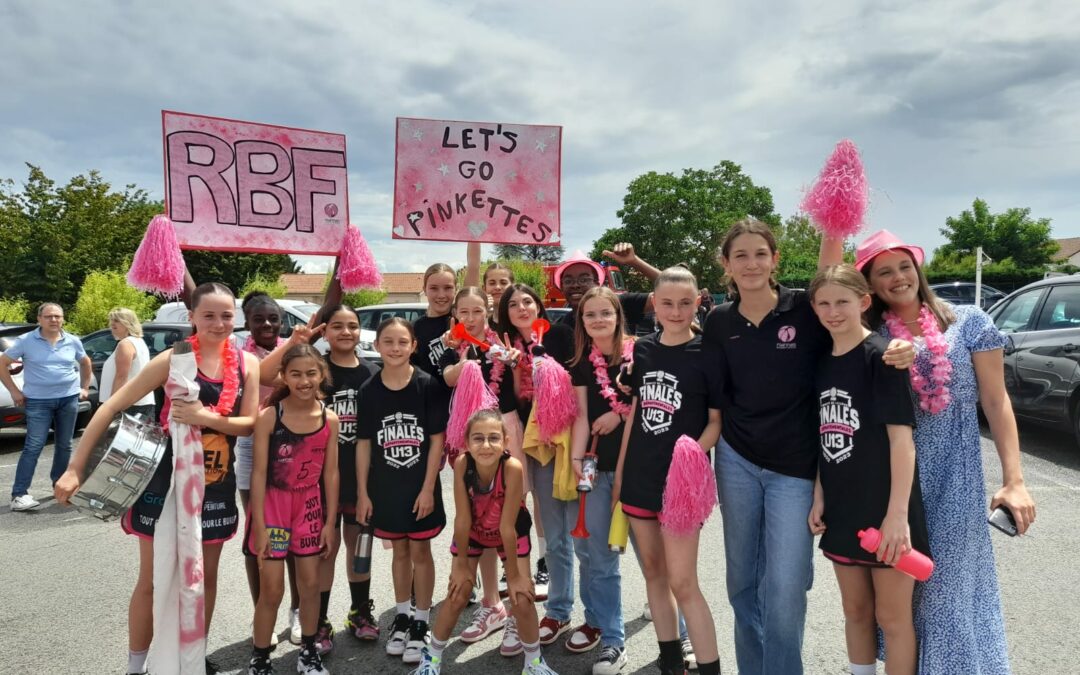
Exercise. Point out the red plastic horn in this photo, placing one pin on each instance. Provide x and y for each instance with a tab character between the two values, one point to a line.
539	327
459	332
580	531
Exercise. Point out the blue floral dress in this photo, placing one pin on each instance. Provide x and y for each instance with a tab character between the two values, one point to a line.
958	618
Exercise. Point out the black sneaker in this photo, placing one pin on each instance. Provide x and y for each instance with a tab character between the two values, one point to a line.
540	581
260	665
418	639
670	669
310	662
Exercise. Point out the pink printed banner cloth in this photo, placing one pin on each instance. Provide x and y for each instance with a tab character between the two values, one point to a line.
475	181
179	646
243	186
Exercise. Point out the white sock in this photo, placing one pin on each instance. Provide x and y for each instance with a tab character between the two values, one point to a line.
532	651
137	661
541	547
404	607
436	647
868	669
423	614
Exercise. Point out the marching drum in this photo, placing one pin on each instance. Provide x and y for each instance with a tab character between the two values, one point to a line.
123	462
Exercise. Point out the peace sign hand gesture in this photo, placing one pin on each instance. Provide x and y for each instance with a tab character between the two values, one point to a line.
307	334
504	351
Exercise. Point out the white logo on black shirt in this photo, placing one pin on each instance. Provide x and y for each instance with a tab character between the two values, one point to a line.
839	422
659	398
436	349
344	404
400	438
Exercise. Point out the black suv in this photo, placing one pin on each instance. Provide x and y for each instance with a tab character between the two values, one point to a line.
1042	358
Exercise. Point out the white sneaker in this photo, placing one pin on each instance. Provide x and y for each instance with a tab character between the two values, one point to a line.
24	503
511	642
295	634
646	613
273	636
310	663
418	639
538	667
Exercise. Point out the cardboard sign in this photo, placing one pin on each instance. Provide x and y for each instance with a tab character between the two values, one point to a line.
473	181
242	186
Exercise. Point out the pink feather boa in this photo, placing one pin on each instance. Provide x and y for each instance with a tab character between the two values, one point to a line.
690	490
837	201
356	266
158	266
556	403
470	395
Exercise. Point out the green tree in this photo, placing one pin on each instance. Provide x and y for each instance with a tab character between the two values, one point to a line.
100	293
671	219
546	255
14	310
363	297
53	237
272	286
1013	235
799	243
235	269
531	274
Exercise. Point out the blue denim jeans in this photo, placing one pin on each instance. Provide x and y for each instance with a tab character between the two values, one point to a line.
42	414
770	568
559	518
601	583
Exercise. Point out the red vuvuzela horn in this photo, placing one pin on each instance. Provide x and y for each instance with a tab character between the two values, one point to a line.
539	327
459	332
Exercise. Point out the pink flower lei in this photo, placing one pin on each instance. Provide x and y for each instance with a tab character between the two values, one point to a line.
933	394
600	366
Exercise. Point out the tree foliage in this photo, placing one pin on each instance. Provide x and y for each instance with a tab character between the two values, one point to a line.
531	274
235	269
14	310
363	297
101	293
799	243
1012	235
671	219
545	255
272	286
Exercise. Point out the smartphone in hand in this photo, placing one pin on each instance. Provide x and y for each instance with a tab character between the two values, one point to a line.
1002	519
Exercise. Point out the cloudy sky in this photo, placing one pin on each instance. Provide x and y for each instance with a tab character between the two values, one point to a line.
948	100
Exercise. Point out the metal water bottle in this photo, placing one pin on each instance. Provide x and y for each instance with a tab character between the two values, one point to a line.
362	559
588	473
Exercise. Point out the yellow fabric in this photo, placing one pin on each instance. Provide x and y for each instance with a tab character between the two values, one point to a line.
564	486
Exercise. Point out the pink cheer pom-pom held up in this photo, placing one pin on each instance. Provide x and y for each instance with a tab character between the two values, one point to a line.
690	490
556	403
158	266
837	201
356	264
470	395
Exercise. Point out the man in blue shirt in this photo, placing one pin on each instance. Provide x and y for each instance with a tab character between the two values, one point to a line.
56	375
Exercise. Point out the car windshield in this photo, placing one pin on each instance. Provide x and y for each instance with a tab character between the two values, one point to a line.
307	309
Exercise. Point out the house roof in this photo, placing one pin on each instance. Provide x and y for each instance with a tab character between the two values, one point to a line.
305	284
1069	248
393	282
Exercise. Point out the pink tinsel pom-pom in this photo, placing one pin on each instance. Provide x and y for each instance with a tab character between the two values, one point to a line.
556	403
837	201
356	266
158	266
470	395
690	490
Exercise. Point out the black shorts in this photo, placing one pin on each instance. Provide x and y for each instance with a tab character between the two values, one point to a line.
220	516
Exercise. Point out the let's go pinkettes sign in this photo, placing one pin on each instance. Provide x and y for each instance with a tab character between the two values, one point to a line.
473	181
243	186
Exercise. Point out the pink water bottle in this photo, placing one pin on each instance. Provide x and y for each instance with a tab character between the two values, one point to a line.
912	563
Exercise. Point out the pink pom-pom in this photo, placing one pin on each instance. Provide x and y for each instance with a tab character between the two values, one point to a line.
158	266
356	266
690	490
470	395
556	403
837	201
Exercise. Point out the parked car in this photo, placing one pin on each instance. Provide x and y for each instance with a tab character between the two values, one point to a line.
1042	357
14	416
294	312
158	337
963	293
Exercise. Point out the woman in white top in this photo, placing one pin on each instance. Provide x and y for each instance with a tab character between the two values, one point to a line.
129	357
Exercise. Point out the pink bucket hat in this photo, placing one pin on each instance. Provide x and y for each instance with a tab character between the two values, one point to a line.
882	241
579	258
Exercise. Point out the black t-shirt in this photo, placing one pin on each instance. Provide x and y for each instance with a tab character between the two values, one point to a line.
633	306
675	388
770	406
429	346
558	344
400	425
342	396
857	396
584	375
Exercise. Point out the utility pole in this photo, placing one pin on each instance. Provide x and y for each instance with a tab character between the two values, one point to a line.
979	257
